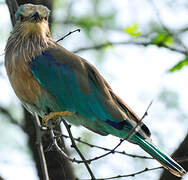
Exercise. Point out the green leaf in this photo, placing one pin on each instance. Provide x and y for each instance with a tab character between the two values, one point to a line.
179	65
169	40
108	46
133	30
162	38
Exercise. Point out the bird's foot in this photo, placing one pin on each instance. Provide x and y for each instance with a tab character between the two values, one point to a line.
54	116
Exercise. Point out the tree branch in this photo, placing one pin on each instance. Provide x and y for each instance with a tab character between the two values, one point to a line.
12	6
40	148
55	144
137	173
127	175
77	149
139	124
68	34
104	148
144	44
164	27
10	117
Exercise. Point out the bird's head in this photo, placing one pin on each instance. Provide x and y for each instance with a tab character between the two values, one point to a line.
33	19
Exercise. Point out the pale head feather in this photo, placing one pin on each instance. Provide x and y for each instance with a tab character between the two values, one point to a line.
27	10
30	36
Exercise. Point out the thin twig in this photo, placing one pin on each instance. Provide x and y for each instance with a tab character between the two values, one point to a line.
136	173
145	44
104	148
77	149
40	148
127	175
139	124
55	144
68	34
59	150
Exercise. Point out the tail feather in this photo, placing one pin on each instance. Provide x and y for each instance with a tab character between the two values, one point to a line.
166	161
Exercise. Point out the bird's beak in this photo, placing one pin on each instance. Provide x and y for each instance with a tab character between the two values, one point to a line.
35	17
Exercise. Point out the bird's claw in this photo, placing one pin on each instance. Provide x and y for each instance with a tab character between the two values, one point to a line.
54	116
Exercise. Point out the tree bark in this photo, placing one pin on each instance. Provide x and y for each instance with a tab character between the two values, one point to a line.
180	152
58	168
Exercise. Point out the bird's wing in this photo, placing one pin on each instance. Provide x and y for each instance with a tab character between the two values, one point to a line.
126	109
78	87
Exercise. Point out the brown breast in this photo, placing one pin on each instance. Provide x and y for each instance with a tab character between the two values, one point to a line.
24	84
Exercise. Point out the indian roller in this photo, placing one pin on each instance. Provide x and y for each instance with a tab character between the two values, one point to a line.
52	81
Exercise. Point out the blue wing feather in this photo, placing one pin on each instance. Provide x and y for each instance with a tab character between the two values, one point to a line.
60	80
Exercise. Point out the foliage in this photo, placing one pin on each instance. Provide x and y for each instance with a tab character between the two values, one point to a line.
162	38
179	65
133	30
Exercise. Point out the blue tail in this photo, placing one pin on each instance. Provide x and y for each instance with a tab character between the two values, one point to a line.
160	156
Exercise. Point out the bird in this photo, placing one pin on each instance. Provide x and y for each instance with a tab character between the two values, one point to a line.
52	81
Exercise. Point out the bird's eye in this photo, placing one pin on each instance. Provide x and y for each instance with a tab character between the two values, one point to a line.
46	18
21	17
